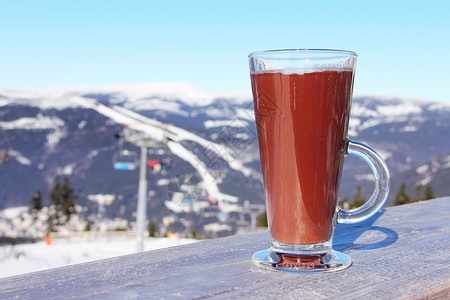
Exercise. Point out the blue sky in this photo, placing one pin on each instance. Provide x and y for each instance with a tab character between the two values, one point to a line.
403	46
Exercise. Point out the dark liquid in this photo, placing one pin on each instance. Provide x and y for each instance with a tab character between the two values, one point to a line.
302	125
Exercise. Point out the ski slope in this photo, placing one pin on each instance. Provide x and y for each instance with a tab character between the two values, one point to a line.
172	136
26	258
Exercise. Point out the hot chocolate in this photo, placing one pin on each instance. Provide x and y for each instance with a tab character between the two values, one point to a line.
302	122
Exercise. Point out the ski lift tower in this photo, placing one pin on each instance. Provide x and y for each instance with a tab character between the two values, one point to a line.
143	141
254	210
141	218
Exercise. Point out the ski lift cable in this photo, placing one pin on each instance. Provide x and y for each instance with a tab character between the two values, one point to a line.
178	134
140	120
174	133
125	160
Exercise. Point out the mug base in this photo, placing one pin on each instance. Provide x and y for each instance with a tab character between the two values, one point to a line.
301	263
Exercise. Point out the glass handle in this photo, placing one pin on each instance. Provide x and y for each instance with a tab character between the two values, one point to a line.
382	182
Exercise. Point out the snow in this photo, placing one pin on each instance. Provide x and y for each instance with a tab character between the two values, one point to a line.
223	123
354	122
446	165
20	158
102	199
25	258
12	212
367	177
168	90
359	110
391	98
248	114
220	150
439	106
67	170
81	124
409	128
55	136
40	122
216	227
163	182
401	109
93	154
178	206
155	104
60	98
68	246
136	95
385	155
209	182
426	180
422	169
390	110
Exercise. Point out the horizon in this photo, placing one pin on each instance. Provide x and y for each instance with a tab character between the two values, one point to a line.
401	46
242	95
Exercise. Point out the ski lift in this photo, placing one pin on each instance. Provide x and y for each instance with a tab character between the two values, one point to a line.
125	160
188	201
166	164
179	199
5	153
223	217
155	165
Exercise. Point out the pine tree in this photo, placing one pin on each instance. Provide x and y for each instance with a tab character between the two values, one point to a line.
195	234
358	200
152	229
87	226
36	202
418	196
62	204
262	220
55	207
68	199
402	196
429	193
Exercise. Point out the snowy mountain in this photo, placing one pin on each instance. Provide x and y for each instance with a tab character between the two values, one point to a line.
434	172
406	133
210	139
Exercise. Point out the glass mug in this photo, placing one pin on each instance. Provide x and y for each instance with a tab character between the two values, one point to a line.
302	104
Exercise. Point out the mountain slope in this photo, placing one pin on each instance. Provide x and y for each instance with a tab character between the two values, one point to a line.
211	140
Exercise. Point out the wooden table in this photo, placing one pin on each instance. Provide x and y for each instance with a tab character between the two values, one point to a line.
402	252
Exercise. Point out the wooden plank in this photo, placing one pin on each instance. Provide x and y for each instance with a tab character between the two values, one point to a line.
401	252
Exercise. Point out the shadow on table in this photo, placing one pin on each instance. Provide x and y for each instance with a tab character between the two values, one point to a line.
346	235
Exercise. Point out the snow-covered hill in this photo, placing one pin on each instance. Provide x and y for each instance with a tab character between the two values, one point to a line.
26	258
